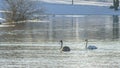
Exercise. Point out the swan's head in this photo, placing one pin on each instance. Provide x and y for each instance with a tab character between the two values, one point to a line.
61	41
86	40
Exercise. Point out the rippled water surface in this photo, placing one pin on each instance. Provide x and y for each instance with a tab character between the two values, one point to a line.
106	56
65	27
36	44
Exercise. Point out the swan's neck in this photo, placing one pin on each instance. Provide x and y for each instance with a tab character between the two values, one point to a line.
61	45
86	44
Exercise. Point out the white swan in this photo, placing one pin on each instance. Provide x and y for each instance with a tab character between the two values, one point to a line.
90	47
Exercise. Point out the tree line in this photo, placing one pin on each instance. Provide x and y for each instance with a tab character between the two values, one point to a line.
20	10
115	5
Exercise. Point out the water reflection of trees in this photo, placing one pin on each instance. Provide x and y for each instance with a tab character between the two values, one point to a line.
65	28
115	27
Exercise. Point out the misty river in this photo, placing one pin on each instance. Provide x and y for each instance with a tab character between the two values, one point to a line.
36	44
72	28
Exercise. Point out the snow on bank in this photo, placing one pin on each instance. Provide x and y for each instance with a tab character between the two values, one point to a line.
78	2
2	19
2	25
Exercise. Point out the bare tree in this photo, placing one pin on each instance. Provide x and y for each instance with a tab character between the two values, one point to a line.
115	5
21	10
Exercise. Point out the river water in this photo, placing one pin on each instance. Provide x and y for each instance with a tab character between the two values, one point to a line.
72	28
36	44
41	56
